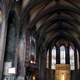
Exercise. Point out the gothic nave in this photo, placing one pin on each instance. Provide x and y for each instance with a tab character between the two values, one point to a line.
39	40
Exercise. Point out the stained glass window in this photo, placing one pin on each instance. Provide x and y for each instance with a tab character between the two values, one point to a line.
77	59
47	60
72	66
53	62
62	55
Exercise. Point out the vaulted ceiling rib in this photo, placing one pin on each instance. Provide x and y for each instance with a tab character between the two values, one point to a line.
59	19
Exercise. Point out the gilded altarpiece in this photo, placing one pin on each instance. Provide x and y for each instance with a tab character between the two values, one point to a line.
62	72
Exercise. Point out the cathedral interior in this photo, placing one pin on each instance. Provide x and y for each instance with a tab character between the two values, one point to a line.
39	39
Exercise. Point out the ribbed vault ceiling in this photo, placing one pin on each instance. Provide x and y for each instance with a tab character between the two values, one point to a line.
53	21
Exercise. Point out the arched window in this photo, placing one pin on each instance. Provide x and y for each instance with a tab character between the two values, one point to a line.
62	57
53	60
72	65
47	60
77	59
62	54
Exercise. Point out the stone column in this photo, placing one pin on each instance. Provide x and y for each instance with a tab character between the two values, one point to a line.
57	55
37	57
22	51
42	70
75	58
67	55
27	54
3	32
50	61
50	56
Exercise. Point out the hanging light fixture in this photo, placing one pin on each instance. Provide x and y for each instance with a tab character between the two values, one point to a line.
34	77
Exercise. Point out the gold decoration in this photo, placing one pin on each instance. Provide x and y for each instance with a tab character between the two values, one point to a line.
62	72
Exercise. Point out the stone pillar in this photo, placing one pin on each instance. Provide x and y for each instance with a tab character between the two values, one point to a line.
50	56
3	31
57	55
50	60
27	55
42	70
75	58
67	55
22	51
